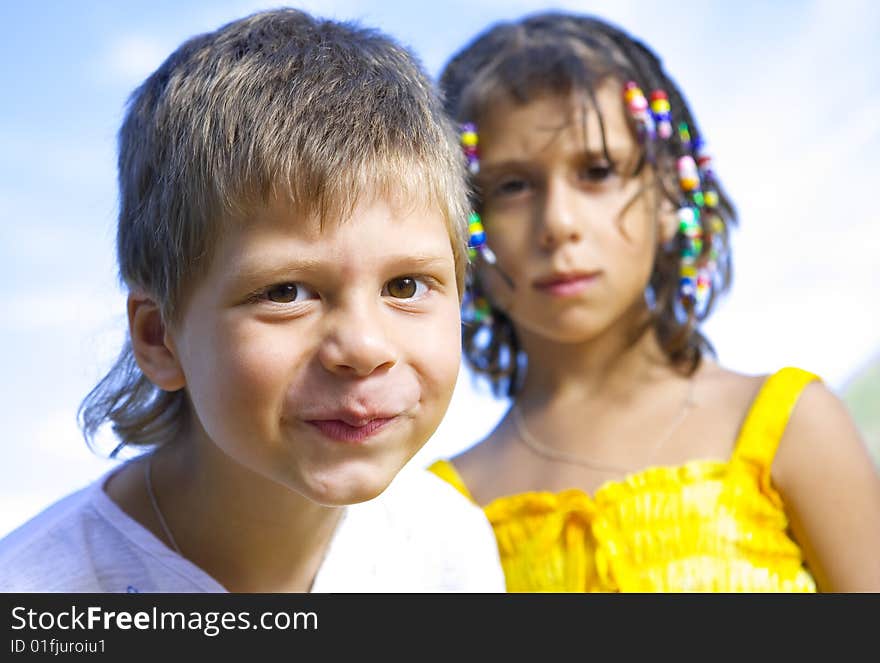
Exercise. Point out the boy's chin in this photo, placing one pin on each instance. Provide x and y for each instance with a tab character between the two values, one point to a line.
351	488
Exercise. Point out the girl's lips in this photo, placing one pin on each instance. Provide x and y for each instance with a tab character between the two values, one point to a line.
566	286
338	430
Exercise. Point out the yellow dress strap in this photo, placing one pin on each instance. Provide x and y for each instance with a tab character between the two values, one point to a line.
446	471
769	415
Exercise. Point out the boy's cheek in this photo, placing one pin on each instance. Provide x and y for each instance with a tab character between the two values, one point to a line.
435	348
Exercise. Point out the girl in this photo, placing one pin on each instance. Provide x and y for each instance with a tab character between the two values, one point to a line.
630	460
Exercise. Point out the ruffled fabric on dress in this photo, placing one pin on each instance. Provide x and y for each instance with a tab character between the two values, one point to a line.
703	526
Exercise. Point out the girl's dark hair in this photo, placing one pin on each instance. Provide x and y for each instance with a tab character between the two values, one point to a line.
562	53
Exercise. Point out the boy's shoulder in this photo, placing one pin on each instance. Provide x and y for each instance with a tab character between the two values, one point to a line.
84	542
32	554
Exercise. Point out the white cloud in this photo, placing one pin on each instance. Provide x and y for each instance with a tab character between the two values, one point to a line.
54	462
128	59
72	310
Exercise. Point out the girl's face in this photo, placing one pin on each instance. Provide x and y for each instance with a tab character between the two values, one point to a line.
574	228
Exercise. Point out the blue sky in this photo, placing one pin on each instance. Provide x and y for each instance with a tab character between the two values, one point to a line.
787	92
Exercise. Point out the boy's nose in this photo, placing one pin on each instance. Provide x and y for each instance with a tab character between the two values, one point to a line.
357	344
559	223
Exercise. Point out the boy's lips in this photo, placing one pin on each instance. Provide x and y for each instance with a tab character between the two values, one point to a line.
564	284
344	428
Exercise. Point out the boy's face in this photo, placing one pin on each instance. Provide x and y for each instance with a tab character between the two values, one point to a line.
323	359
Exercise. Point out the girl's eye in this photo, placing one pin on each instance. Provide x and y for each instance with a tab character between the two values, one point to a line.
511	187
288	293
597	172
405	287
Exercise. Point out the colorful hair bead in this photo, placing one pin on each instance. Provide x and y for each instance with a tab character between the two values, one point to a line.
688	224
476	232
699	255
684	136
691	247
635	98
638	108
477	240
475	308
687	289
662	113
476	235
702	291
469	141
711	198
482	310
691	232
704	160
688	175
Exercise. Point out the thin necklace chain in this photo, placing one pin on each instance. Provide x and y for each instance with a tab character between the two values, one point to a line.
560	456
148	479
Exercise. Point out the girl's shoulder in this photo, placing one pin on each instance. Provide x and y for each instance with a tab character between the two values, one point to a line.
725	398
744	416
724	382
820	427
791	419
771	395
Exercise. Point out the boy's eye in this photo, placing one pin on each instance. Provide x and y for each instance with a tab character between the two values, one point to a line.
288	293
405	287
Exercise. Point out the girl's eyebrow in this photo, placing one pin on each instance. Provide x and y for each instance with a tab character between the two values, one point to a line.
507	164
618	153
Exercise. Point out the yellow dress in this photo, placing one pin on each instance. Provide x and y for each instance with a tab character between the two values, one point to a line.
707	525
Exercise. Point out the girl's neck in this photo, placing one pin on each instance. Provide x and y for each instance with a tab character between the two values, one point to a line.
607	365
248	532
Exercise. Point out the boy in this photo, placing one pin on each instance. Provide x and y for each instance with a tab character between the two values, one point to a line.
291	235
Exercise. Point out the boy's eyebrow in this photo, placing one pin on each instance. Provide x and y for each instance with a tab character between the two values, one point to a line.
261	270
419	259
268	272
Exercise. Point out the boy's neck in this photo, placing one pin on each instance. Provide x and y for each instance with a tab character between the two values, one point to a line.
248	533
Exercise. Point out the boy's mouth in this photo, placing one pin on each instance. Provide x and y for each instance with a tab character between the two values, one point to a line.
342	431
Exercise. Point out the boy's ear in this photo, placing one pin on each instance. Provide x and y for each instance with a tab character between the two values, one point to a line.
151	343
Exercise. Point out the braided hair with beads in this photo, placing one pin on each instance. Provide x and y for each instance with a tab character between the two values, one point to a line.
563	54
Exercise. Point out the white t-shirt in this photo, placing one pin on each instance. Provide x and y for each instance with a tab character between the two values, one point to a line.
419	535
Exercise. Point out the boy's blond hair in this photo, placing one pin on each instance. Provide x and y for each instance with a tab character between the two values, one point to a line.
279	103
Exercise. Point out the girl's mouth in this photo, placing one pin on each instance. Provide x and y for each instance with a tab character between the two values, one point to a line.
565	285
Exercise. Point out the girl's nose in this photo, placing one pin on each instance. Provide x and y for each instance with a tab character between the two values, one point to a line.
559	220
358	343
